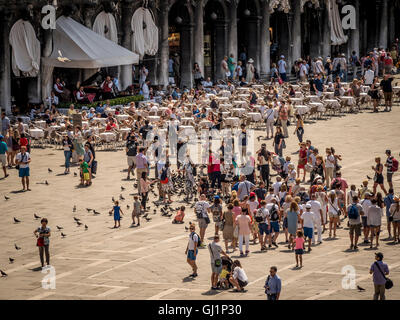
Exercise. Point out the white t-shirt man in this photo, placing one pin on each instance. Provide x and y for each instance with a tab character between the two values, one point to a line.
366	204
369	77
202	206
269	197
303	70
238	273
263	213
282	66
308	219
277	186
315	208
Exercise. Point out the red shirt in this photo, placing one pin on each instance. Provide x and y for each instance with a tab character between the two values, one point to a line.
213	164
110	126
23	142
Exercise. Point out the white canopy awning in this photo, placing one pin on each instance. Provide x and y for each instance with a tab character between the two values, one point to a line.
85	48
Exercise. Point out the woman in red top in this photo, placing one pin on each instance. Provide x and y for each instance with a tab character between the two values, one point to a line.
302	160
111	125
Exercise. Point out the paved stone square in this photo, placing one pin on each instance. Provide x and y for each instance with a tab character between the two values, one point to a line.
149	262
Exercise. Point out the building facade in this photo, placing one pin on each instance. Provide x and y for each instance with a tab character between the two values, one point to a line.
204	31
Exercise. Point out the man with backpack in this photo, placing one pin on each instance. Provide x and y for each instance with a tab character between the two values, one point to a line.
201	210
392	166
192	249
354	213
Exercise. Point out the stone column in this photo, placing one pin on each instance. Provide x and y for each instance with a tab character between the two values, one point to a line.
265	41
232	30
126	70
295	45
392	24
383	35
199	35
5	63
163	45
355	34
186	55
326	34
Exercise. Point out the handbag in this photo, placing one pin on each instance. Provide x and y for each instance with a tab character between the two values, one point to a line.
40	242
217	262
388	283
207	220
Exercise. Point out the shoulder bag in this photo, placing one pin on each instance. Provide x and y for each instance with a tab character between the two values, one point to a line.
217	262
389	283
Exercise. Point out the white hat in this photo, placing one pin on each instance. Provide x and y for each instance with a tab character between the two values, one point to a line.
250	60
308	206
282	57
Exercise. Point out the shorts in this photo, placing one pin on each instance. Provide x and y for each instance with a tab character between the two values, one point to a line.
299	251
388	96
263	228
191	255
23	172
215	269
131	161
355	228
285	223
333	215
308	232
389	177
202	223
3	160
242	284
364	222
274	226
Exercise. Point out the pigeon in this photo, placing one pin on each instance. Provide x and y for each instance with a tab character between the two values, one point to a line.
122	188
360	289
59	228
169	215
63	235
369	178
74	208
16	247
79	223
86	227
96	212
16	220
135	185
11	260
186	228
61	58
7	198
88	209
144	216
148	219
75	174
46	183
121	197
36	216
113	199
127	206
49	170
3	274
155	211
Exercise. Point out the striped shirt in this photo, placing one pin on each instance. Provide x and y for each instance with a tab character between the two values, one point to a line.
389	163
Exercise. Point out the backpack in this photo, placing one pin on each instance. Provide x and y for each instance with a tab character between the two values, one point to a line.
395	165
353	212
259	217
274	214
163	175
199	239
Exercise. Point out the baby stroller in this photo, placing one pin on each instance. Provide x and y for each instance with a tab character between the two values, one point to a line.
225	262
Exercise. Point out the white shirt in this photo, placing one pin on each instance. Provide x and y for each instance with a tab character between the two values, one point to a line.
303	70
192	239
319	68
25	157
269	197
270	115
269	207
264	213
369	77
308	219
330	161
238	273
253	205
277	186
366	204
315	208
282	66
374	216
203	206
146	91
333	207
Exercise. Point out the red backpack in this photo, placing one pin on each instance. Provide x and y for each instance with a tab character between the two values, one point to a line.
395	165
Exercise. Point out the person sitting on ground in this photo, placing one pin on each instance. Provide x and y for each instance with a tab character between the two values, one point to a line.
179	216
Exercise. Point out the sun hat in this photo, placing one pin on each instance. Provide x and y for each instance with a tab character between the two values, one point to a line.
282	57
308	206
250	60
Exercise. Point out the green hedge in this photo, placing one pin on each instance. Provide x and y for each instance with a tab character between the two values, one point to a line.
113	102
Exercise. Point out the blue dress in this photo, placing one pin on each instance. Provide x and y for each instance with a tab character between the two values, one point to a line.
292	222
117	216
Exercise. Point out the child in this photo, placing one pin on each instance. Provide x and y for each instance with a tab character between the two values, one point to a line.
351	194
286	167
85	176
179	216
299	248
223	277
136	211
117	217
